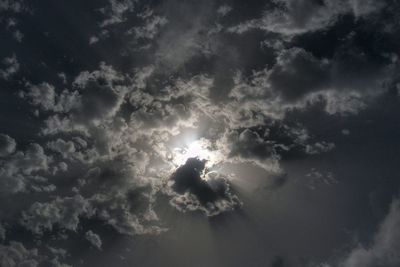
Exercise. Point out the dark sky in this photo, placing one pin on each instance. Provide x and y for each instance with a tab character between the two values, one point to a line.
209	133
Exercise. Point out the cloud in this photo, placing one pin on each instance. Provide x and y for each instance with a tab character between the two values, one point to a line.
15	254
42	95
151	27
211	195
291	17
383	251
130	213
65	148
10	67
172	74
116	11
61	212
94	239
96	96
316	179
224	10
344	84
2	232
7	145
13	6
102	93
18	171
319	147
249	144
266	146
298	73
363	8
186	36
343	103
32	160
45	97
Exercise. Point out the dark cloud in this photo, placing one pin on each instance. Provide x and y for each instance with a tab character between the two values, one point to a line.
298	73
198	190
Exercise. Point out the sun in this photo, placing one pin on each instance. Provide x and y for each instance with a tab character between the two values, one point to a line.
200	149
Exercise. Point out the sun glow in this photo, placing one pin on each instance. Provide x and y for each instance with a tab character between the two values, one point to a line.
197	149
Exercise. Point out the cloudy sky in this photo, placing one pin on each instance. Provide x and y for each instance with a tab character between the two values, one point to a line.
213	133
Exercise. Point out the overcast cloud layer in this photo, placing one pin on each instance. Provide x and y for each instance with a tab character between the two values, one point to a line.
200	133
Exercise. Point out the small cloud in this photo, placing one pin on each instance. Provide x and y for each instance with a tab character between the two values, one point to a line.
345	131
93	40
224	10
7	145
93	239
10	66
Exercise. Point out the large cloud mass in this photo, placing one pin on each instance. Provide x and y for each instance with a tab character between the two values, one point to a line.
128	118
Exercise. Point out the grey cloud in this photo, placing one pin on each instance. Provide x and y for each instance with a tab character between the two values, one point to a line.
211	195
344	84
10	66
151	27
7	145
319	147
159	114
121	196
249	144
129	214
18	36
65	148
42	95
343	103
102	93
317	179
383	251
362	8
224	10
32	160
15	254
46	98
61	212
108	149
174	75
291	17
61	124
116	11
97	96
14	6
274	142
186	35
297	73
11	184
18	171
94	239
2	232
73	150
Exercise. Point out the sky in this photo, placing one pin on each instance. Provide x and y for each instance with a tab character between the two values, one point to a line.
213	133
